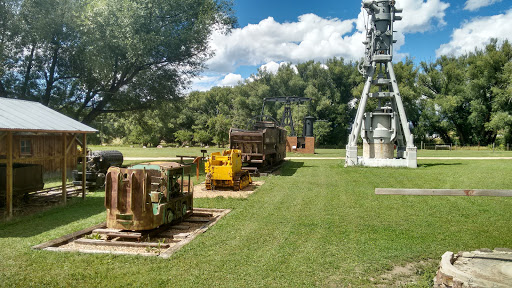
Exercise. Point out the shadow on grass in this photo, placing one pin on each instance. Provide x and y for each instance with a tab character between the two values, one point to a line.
426	165
290	167
37	223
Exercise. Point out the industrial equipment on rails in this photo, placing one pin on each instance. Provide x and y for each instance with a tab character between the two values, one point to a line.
224	169
262	146
98	163
148	195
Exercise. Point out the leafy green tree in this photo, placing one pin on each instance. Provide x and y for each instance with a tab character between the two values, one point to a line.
184	137
202	137
219	128
88	58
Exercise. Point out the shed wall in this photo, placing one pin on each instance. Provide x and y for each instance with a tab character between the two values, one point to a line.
43	146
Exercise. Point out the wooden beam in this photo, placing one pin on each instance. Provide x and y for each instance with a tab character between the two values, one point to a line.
84	162
64	168
2	135
67	238
444	192
9	175
71	144
33	159
121	243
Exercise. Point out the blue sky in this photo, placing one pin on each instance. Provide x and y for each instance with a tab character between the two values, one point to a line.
271	33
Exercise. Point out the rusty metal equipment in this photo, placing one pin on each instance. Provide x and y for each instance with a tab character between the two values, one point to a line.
224	169
263	146
148	195
287	119
98	163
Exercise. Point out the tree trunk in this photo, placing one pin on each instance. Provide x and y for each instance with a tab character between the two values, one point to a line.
24	88
51	77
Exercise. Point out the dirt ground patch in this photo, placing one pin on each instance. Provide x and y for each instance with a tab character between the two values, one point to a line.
201	192
407	275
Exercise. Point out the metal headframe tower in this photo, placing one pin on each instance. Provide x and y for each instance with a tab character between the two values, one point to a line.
287	119
386	127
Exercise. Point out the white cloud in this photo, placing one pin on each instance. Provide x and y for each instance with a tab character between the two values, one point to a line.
272	67
473	5
420	16
477	33
313	37
231	80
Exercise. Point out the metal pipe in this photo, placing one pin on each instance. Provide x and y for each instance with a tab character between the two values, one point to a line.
356	128
401	110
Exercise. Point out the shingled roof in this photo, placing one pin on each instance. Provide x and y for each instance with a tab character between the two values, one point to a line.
28	116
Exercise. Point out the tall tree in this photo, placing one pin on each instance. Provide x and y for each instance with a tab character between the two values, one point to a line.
141	52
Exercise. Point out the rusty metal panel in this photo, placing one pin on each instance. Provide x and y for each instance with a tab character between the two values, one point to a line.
262	147
144	199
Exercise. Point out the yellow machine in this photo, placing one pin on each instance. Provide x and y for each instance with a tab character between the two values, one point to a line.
225	170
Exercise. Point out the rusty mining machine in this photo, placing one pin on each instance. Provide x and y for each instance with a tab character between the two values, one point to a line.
148	195
224	169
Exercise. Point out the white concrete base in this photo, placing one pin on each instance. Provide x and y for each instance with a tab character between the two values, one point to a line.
409	161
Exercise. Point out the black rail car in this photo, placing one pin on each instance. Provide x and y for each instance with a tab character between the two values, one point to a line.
264	146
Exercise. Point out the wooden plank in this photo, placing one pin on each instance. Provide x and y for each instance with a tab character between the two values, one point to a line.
166	234
71	143
34	159
131	235
180	227
105	231
196	220
444	192
181	236
95	242
84	163
199	214
64	168
9	176
67	238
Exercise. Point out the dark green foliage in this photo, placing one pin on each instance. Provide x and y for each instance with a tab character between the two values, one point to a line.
87	58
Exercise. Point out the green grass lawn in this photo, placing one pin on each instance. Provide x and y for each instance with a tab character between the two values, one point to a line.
196	151
317	224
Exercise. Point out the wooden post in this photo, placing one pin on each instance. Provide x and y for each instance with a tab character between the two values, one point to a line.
64	168
9	176
84	162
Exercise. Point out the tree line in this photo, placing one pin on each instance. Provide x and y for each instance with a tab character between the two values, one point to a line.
465	100
122	66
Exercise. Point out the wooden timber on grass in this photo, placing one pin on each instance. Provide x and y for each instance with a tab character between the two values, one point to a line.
95	242
444	192
162	241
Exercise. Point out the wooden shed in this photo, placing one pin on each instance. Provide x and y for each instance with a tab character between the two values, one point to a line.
31	133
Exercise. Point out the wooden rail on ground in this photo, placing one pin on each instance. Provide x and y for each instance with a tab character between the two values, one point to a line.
444	192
